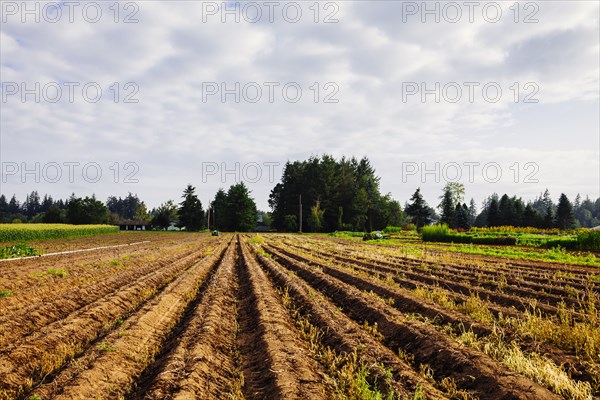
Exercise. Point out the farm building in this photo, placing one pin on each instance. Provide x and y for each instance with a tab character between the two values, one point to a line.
133	225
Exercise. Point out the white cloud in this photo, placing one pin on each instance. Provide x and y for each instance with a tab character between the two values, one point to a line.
369	54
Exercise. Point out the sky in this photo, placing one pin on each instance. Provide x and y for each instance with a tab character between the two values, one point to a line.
108	97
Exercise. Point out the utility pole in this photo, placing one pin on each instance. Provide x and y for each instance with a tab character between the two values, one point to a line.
208	217
300	213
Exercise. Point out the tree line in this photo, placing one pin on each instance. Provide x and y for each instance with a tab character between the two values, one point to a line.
189	214
504	211
321	194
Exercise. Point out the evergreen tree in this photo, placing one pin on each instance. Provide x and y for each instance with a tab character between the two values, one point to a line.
347	190
461	213
577	203
472	212
531	217
447	208
493	213
542	203
418	210
32	204
519	209
13	205
242	208
191	214
47	202
220	218
54	215
548	219
564	213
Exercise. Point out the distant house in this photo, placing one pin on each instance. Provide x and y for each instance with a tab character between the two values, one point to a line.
133	225
173	227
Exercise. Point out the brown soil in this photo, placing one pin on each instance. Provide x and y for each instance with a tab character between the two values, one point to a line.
470	369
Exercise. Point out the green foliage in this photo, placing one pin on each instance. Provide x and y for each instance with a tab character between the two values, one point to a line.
191	214
553	255
565	219
347	234
106	347
57	272
87	211
589	241
315	221
165	215
20	232
441	233
290	223
447	208
376	235
418	210
5	293
347	189
564	242
17	250
116	263
241	209
128	208
435	233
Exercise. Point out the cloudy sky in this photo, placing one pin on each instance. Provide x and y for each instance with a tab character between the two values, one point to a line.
147	96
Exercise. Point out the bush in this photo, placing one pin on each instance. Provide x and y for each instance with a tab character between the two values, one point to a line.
441	233
497	240
392	229
567	243
17	250
589	241
435	233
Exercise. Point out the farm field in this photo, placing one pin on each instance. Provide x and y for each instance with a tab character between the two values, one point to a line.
182	316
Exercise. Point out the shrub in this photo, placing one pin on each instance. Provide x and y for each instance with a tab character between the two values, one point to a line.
17	250
589	240
435	233
567	243
392	229
441	233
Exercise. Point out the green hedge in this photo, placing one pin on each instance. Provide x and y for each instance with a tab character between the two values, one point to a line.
441	233
589	241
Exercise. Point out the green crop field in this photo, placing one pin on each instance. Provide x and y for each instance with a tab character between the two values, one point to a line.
20	232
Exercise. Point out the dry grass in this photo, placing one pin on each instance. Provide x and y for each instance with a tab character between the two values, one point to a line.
531	365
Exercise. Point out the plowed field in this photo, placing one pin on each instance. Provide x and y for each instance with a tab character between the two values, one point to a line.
188	316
